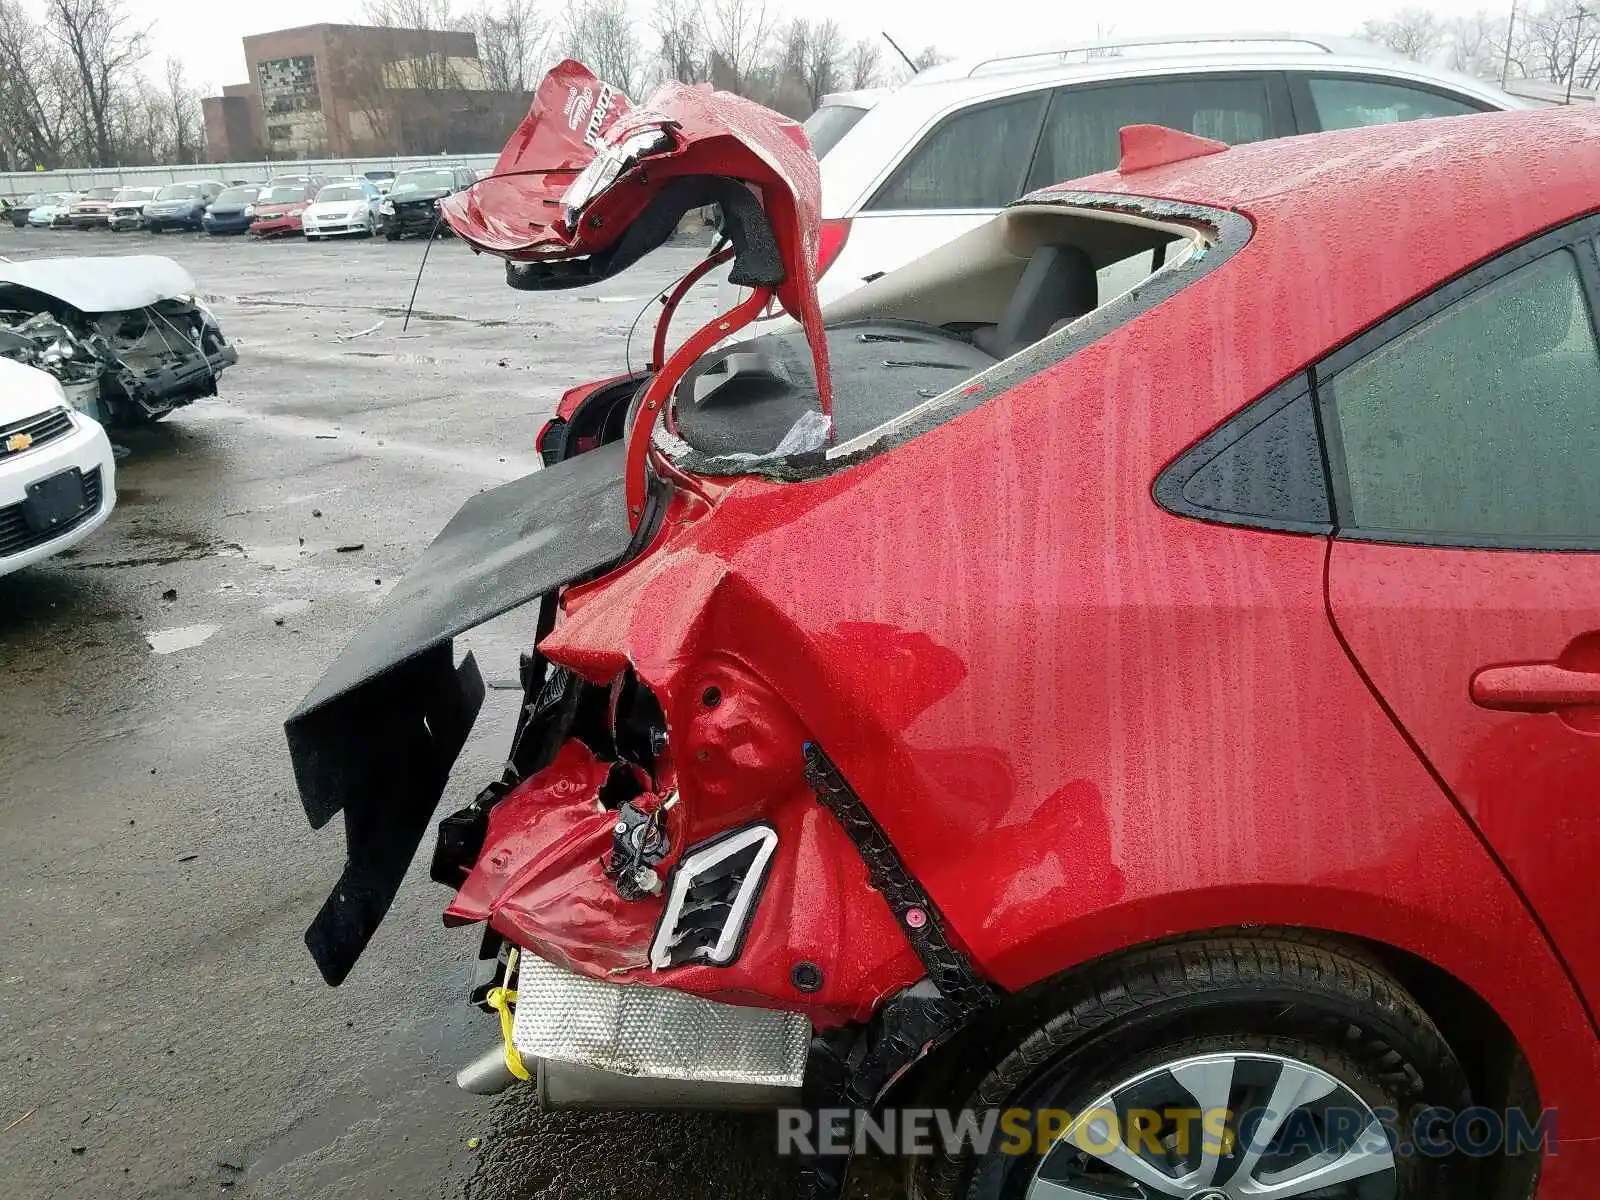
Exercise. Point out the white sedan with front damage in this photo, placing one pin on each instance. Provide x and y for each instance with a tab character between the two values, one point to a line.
57	477
125	335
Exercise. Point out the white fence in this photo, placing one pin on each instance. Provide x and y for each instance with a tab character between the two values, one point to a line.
21	183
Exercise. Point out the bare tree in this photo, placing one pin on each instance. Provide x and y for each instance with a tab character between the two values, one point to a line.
513	40
824	60
680	36
1416	33
1561	43
104	49
601	34
739	33
1473	42
862	63
929	56
183	110
31	105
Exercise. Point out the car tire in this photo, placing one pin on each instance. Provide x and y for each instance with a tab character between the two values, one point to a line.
1314	1008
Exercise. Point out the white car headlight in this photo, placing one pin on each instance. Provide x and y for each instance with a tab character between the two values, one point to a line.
249	210
387	208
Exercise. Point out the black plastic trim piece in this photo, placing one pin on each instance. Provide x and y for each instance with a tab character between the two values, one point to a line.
948	969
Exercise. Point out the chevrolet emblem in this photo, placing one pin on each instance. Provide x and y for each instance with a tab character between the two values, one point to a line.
18	442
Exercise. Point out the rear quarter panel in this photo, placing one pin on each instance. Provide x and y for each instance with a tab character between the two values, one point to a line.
1087	724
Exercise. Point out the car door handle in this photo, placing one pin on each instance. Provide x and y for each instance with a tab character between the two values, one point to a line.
1535	687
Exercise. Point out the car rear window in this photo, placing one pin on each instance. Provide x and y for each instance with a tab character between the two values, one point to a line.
1353	103
417	181
1081	133
975	159
827	126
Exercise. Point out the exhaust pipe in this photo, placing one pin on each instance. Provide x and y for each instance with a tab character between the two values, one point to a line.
486	1075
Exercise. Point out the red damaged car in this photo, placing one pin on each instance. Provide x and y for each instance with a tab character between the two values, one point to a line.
1168	714
278	210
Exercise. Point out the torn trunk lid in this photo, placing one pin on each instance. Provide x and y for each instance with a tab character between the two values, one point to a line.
587	186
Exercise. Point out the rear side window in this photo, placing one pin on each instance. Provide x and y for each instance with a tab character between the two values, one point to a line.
1481	424
1081	131
827	126
974	159
1264	468
1351	103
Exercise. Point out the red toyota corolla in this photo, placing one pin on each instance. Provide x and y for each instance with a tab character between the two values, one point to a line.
1128	681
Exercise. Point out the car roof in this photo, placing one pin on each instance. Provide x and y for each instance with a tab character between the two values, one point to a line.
1352	225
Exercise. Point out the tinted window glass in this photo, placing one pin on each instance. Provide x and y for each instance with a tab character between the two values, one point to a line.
1483	421
1350	103
828	125
421	181
975	159
1080	134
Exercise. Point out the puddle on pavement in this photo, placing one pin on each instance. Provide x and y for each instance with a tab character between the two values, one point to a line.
184	637
286	554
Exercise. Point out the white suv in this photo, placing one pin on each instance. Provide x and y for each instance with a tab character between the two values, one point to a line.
909	168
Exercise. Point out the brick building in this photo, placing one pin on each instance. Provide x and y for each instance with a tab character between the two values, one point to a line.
356	90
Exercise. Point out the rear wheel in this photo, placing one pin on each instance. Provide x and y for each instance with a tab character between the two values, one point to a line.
1262	1067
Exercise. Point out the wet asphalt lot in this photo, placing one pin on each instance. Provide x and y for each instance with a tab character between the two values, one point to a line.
164	1033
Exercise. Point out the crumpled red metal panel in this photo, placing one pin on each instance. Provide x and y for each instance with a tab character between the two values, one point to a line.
517	212
539	880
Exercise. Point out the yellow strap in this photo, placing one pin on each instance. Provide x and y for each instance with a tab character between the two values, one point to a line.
501	999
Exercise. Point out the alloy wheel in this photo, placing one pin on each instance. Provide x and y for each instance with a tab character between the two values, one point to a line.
1224	1126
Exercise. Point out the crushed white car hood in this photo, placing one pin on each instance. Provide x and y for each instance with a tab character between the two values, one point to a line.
26	392
98	285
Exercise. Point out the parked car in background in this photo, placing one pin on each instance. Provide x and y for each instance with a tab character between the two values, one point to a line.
411	207
343	207
57	475
232	210
310	182
382	180
910	168
279	209
23	205
55	212
90	210
180	205
126	210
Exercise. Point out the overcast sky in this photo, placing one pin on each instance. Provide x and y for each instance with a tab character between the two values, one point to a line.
206	36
